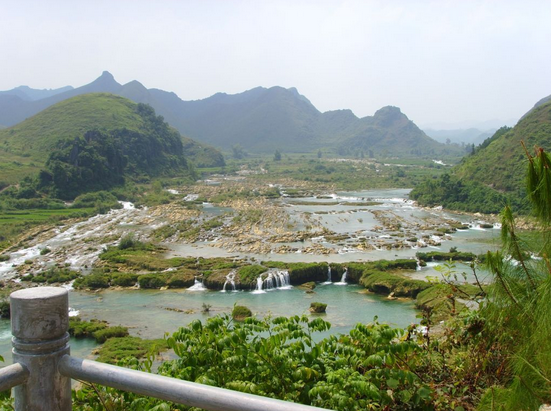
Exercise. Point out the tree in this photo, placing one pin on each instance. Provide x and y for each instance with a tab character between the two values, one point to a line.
319	154
238	152
516	312
277	155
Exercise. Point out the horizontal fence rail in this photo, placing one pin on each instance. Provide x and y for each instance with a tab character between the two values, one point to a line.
13	375
42	370
171	389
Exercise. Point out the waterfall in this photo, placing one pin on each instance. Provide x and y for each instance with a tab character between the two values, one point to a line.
259	289
230	278
198	286
275	280
343	278
269	281
418	268
283	280
328	275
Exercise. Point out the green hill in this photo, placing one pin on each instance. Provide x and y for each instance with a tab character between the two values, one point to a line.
501	164
94	141
495	173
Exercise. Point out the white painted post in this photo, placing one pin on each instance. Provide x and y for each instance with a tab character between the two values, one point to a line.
39	322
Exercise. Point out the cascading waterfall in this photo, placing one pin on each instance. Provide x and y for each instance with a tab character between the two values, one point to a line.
198	286
343	278
328	275
275	280
230	278
259	289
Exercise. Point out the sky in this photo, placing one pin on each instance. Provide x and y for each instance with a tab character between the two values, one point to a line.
445	63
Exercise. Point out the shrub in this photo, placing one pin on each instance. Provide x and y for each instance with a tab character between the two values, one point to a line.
5	309
128	241
85	329
110	332
318	307
250	273
385	283
152	280
124	279
92	281
240	312
180	280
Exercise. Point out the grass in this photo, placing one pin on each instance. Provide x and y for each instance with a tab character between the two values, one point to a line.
115	349
67	119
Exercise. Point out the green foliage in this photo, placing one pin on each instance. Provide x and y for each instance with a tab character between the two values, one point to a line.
123	279
441	300
181	280
99	330
98	160
125	347
279	358
240	312
93	281
152	281
493	175
386	283
5	311
53	275
85	329
249	273
318	307
443	256
454	193
111	332
516	312
105	198
128	241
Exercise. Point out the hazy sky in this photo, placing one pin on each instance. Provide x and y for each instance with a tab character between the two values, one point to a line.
439	61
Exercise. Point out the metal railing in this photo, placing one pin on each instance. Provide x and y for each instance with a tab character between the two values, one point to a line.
42	370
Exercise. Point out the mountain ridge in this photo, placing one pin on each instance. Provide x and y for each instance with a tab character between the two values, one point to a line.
260	120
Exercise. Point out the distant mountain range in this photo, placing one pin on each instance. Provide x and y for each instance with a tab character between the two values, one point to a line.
30	94
466	136
259	120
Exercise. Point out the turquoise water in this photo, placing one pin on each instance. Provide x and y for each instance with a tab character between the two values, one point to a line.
151	313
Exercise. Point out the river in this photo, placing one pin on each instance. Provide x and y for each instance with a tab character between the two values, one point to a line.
150	314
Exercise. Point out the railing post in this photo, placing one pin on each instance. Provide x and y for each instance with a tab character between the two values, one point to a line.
39	323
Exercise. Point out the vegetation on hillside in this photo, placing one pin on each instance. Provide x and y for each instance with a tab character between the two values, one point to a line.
492	175
25	147
100	160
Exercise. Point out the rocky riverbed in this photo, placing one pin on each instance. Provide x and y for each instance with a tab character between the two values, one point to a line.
363	225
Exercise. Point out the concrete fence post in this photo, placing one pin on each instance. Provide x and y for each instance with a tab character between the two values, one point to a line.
39	322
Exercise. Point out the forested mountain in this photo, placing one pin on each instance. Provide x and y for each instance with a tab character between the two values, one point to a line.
259	120
94	141
390	133
495	173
